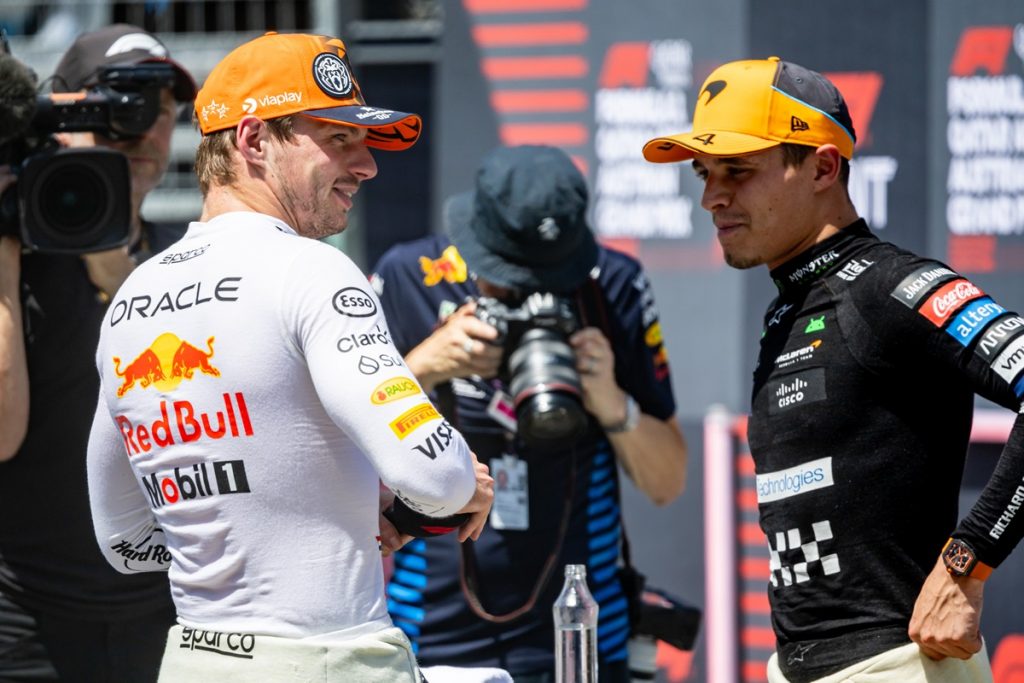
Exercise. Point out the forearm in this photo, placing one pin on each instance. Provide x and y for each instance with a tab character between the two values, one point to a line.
654	456
14	392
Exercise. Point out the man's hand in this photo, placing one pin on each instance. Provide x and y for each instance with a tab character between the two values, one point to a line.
109	269
947	615
390	539
595	362
461	347
480	504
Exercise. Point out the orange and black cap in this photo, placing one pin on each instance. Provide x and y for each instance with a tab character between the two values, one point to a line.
753	105
280	74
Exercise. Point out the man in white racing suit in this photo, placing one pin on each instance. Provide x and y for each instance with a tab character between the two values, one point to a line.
251	396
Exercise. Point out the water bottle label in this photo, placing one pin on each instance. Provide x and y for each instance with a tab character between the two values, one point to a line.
511	508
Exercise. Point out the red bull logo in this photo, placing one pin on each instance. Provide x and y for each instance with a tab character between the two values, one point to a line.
449	267
166	362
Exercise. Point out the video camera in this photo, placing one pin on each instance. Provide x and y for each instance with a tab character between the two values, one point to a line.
73	201
539	365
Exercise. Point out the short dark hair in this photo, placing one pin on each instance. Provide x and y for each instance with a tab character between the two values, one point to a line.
213	157
794	155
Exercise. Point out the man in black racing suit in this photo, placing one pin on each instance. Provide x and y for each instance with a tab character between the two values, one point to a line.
862	398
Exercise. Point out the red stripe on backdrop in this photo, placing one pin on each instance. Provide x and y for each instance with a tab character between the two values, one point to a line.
754	603
746	499
759	637
754	672
509	6
745	465
498	68
750	532
754	569
505	35
556	134
511	101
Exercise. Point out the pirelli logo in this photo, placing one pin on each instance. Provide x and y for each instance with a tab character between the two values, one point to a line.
411	420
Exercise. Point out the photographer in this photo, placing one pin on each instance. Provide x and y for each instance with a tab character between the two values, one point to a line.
522	232
64	612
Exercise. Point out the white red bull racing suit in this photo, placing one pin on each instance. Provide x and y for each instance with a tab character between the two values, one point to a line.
251	396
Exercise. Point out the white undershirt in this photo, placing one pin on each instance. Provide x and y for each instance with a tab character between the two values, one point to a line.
257	465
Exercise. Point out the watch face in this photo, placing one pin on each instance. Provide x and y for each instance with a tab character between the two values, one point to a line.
958	558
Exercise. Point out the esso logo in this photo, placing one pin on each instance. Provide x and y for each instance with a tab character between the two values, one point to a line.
354	302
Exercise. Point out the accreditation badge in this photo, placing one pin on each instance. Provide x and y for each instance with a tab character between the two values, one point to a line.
511	508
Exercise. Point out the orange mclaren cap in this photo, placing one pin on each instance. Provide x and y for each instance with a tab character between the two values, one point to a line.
752	105
279	74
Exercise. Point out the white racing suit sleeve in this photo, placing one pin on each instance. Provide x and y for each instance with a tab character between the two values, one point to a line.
366	388
128	534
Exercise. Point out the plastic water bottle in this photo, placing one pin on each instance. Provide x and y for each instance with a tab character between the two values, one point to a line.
575	613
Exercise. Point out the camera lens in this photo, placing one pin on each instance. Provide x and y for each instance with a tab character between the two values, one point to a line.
75	200
76	196
546	388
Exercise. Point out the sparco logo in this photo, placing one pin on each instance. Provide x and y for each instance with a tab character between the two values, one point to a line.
189	483
230	644
354	302
813	266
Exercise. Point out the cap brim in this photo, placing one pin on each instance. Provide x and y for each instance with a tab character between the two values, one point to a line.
563	277
185	88
720	143
389	130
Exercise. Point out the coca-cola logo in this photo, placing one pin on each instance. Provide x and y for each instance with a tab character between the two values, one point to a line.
944	304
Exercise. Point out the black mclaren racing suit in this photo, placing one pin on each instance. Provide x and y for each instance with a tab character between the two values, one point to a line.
862	407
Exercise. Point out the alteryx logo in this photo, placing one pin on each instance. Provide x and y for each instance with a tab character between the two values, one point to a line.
810	476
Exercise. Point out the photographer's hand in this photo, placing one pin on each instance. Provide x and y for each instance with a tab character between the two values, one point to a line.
109	269
458	348
14	388
653	453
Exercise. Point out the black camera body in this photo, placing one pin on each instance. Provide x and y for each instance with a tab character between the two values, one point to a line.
77	201
539	365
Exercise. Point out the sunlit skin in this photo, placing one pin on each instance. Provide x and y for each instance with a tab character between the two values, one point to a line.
315	175
766	212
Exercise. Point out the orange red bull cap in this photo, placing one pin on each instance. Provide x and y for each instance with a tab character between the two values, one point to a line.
753	105
280	74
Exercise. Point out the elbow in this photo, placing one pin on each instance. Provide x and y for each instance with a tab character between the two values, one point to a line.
669	491
11	442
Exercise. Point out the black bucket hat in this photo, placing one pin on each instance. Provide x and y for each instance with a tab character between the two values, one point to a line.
524	225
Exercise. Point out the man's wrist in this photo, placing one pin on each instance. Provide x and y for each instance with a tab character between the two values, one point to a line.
960	560
629	421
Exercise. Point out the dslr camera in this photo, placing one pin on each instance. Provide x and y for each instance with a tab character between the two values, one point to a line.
74	201
539	365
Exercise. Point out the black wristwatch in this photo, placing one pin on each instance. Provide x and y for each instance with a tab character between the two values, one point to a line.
960	560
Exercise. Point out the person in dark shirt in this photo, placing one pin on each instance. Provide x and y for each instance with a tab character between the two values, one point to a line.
64	612
862	397
519	235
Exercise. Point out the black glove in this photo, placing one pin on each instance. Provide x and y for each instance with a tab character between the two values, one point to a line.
412	523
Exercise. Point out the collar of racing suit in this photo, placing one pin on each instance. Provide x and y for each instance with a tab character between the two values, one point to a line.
818	260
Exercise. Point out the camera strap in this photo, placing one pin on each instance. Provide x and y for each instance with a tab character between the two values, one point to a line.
594	313
469	574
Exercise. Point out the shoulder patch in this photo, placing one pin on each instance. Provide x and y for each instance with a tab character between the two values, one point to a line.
913	288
